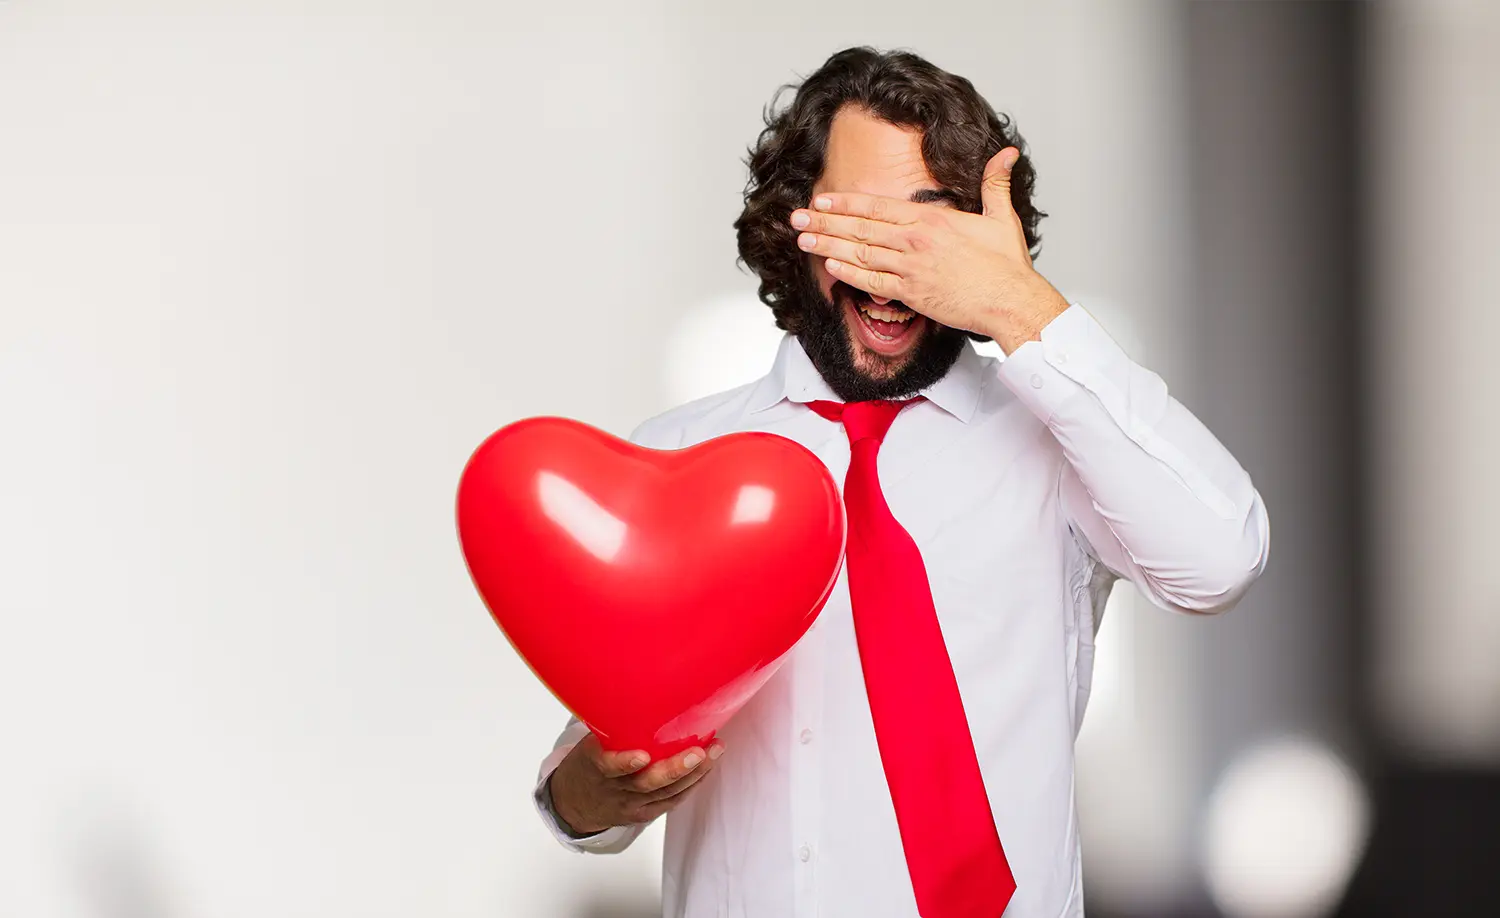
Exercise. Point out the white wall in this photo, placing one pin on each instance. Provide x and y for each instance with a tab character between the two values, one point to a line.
269	272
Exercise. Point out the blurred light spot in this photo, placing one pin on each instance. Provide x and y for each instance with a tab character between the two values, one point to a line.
754	504
1285	829
727	342
600	532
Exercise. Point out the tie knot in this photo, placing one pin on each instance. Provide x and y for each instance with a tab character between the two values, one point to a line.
862	420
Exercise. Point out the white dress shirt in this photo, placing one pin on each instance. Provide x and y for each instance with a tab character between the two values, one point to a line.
1030	485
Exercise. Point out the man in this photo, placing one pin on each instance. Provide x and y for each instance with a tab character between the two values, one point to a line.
915	754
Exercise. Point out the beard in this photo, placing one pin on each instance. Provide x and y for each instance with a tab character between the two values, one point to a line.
831	347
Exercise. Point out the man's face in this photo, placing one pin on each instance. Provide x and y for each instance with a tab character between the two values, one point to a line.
870	347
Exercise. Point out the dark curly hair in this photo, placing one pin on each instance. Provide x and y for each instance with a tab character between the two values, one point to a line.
960	132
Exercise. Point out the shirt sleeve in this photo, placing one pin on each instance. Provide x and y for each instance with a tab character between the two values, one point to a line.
610	841
1147	489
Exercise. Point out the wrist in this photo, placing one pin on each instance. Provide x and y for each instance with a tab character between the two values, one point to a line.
1020	316
571	822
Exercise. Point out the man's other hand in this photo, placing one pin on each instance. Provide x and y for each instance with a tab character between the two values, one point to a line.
594	789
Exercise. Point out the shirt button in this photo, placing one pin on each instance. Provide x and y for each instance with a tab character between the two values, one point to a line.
804	854
806	737
1036	380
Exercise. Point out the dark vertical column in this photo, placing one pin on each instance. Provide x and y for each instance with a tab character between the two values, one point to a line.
1275	334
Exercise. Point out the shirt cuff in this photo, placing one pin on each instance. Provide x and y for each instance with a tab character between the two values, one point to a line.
1075	355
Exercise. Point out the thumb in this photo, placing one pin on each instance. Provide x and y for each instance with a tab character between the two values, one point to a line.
994	190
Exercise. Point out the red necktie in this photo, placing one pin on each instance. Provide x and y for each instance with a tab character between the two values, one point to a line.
958	869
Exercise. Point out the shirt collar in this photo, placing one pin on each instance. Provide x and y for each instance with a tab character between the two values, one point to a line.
793	378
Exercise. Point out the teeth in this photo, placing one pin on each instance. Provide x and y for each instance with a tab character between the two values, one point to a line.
886	315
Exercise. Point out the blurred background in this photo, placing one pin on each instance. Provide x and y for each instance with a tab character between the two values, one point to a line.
270	271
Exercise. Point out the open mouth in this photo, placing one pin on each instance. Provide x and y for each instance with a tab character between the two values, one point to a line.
889	321
886	329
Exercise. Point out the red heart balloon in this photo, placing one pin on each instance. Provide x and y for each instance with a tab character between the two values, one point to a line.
653	591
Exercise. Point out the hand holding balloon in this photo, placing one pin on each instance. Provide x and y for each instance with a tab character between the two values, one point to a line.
594	789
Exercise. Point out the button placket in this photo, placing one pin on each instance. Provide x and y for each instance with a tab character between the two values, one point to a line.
804	760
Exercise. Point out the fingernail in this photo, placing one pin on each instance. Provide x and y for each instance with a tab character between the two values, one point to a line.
692	760
823	203
807	240
715	752
800	219
834	265
637	761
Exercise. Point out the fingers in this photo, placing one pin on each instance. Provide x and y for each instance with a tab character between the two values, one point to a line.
856	229
652	810
994	190
877	208
618	764
679	787
879	283
862	254
668	771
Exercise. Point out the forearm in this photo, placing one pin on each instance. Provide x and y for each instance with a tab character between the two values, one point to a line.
1152	491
